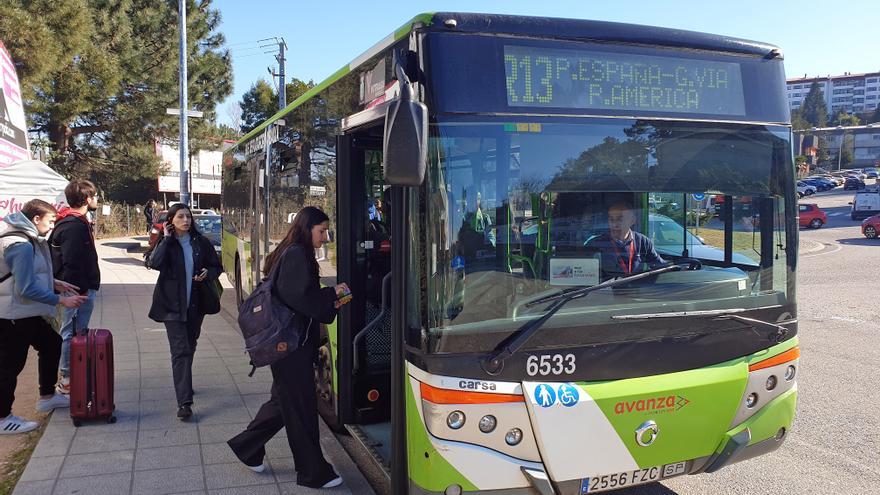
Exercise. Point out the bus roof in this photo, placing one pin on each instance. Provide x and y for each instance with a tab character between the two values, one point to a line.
557	28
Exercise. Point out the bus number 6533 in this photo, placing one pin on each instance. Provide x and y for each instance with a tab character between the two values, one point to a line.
550	364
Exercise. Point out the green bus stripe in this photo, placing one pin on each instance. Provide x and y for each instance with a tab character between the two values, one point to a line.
398	34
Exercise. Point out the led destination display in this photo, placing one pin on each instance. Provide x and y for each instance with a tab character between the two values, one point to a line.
563	78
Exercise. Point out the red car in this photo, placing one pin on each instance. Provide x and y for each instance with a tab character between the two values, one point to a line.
810	215
871	226
158	225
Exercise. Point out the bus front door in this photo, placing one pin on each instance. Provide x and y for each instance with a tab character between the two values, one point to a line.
364	262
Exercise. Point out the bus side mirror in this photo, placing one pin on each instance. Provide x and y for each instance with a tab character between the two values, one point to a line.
405	144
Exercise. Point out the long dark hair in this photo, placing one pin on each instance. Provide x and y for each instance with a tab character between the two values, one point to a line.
300	234
193	230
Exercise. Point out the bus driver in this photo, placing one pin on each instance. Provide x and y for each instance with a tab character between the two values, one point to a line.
623	251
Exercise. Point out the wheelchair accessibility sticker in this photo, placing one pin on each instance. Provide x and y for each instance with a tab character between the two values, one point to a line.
568	395
544	395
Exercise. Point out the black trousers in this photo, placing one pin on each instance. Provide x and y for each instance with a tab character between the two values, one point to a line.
294	406
15	338
182	339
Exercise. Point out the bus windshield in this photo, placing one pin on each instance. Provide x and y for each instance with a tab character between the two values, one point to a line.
519	211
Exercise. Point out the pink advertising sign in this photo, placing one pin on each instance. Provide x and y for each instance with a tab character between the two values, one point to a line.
13	126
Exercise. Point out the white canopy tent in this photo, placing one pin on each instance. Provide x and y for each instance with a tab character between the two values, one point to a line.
23	181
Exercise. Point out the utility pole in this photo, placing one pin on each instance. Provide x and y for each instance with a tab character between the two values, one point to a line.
282	90
184	106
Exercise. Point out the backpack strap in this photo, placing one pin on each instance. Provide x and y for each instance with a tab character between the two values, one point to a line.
24	236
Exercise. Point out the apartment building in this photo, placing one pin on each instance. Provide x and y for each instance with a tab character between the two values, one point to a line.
853	93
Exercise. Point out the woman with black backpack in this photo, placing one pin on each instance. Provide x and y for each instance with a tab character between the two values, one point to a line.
293	404
185	292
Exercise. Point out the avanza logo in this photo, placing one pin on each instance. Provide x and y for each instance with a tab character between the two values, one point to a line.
662	404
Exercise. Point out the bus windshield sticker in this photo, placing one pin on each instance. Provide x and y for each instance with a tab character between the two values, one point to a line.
574	271
565	78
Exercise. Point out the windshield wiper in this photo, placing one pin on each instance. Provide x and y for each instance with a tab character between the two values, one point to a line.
494	363
776	333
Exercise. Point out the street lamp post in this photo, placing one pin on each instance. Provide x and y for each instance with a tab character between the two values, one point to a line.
842	142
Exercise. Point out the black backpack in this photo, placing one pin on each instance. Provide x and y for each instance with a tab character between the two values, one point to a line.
17	233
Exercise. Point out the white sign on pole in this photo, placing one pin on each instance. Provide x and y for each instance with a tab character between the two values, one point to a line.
205	171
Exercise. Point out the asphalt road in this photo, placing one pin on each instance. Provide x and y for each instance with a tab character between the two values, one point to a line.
834	446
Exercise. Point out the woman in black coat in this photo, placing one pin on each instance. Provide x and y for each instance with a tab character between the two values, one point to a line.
184	293
293	404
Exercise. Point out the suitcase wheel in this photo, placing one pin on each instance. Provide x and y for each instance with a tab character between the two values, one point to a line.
77	423
111	419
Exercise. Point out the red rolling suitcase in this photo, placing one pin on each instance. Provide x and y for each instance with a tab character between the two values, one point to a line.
91	377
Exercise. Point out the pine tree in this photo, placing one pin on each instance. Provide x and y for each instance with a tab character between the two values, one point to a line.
97	76
814	109
261	101
798	122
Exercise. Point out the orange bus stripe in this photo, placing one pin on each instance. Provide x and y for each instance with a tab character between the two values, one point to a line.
443	396
789	355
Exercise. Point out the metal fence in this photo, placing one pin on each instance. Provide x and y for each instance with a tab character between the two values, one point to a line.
119	220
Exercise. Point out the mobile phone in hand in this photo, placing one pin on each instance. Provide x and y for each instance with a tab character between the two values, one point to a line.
344	297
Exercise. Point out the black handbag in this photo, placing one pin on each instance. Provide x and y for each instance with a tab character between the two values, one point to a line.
209	292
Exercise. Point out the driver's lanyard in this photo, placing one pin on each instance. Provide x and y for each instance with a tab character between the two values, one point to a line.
632	252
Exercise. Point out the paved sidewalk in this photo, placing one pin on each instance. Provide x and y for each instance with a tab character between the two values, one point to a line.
148	450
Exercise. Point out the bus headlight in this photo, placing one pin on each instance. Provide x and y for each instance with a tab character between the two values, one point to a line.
789	373
771	382
488	423
455	420
513	437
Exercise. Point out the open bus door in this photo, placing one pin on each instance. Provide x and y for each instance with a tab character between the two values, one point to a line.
358	395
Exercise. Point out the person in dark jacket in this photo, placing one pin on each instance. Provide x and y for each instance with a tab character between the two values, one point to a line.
623	251
75	260
293	404
187	265
149	210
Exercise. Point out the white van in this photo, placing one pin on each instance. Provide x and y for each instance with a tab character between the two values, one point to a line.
865	204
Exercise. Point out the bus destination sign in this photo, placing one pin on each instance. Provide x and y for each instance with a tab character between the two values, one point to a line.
563	78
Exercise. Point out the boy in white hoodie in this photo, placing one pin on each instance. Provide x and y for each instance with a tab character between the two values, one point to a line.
27	296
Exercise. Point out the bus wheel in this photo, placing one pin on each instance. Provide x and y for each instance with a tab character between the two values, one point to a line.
238	296
324	387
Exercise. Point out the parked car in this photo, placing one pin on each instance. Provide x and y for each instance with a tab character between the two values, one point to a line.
805	189
810	215
830	184
871	227
211	227
202	211
872	174
854	183
158	225
820	185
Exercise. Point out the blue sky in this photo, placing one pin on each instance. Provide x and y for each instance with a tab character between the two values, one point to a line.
818	38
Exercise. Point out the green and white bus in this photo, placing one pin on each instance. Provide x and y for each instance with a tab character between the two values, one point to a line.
468	162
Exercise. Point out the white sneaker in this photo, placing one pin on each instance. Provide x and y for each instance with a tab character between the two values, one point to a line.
52	403
13	424
257	469
333	483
